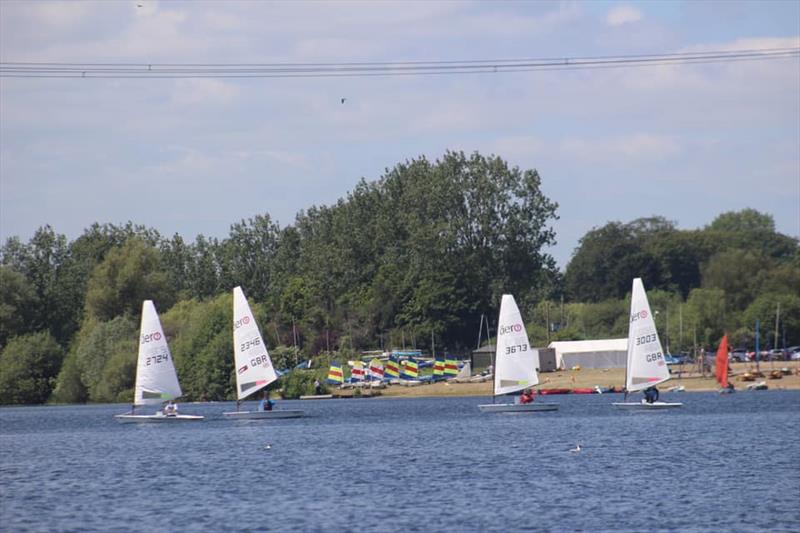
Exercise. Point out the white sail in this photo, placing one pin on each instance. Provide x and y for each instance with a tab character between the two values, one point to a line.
515	360
254	369
646	364
156	380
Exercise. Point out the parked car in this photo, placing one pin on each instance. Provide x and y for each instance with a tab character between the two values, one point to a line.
739	355
777	355
675	359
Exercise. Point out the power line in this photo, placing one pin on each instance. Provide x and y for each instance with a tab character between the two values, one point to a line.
368	69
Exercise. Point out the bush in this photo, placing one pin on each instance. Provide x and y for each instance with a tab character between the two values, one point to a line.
28	367
300	383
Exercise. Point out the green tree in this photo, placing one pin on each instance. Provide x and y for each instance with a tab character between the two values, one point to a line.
18	303
125	278
201	341
97	344
764	309
736	273
744	221
606	261
28	367
706	315
248	255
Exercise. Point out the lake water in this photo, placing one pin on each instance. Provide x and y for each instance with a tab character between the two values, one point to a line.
722	463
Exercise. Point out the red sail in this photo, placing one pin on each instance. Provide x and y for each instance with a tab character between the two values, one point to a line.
722	362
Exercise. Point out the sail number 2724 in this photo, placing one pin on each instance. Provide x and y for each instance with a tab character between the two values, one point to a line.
516	348
155	359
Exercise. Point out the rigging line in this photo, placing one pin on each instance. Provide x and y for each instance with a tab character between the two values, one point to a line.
257	75
375	66
562	59
391	68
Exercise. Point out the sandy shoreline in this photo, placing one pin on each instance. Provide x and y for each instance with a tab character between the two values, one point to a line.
614	377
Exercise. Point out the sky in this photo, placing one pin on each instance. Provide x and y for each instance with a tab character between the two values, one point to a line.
193	156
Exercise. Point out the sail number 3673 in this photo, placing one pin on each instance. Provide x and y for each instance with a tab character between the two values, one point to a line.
516	348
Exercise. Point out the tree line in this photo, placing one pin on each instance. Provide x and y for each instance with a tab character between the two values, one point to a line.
413	258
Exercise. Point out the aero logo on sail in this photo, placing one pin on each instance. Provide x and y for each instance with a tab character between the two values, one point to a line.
241	322
639	315
515	328
155	336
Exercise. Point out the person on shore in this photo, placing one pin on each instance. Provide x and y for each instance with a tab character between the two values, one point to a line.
171	409
317	387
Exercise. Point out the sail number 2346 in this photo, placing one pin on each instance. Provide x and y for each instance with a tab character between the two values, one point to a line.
249	344
516	348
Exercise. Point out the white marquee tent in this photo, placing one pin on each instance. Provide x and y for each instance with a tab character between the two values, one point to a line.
603	353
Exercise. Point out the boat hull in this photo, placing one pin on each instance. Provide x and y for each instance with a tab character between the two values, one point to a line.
141	419
517	407
317	397
644	406
260	415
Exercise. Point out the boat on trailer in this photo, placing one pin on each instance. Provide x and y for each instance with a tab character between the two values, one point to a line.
646	366
515	363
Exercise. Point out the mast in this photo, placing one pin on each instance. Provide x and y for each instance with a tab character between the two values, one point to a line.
480	330
758	345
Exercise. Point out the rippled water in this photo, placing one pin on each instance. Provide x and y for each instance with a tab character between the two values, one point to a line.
722	463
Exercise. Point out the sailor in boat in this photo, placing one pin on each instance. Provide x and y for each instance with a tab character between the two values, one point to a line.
651	394
265	404
526	397
171	409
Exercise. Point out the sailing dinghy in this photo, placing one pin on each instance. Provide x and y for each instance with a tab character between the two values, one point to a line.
515	362
721	367
646	366
156	380
254	369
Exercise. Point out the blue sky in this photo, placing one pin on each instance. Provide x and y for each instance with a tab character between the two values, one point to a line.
196	155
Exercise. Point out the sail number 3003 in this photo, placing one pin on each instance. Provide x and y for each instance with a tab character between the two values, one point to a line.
516	348
646	339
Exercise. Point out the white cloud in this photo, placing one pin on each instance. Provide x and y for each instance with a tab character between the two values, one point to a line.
203	91
638	147
621	15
